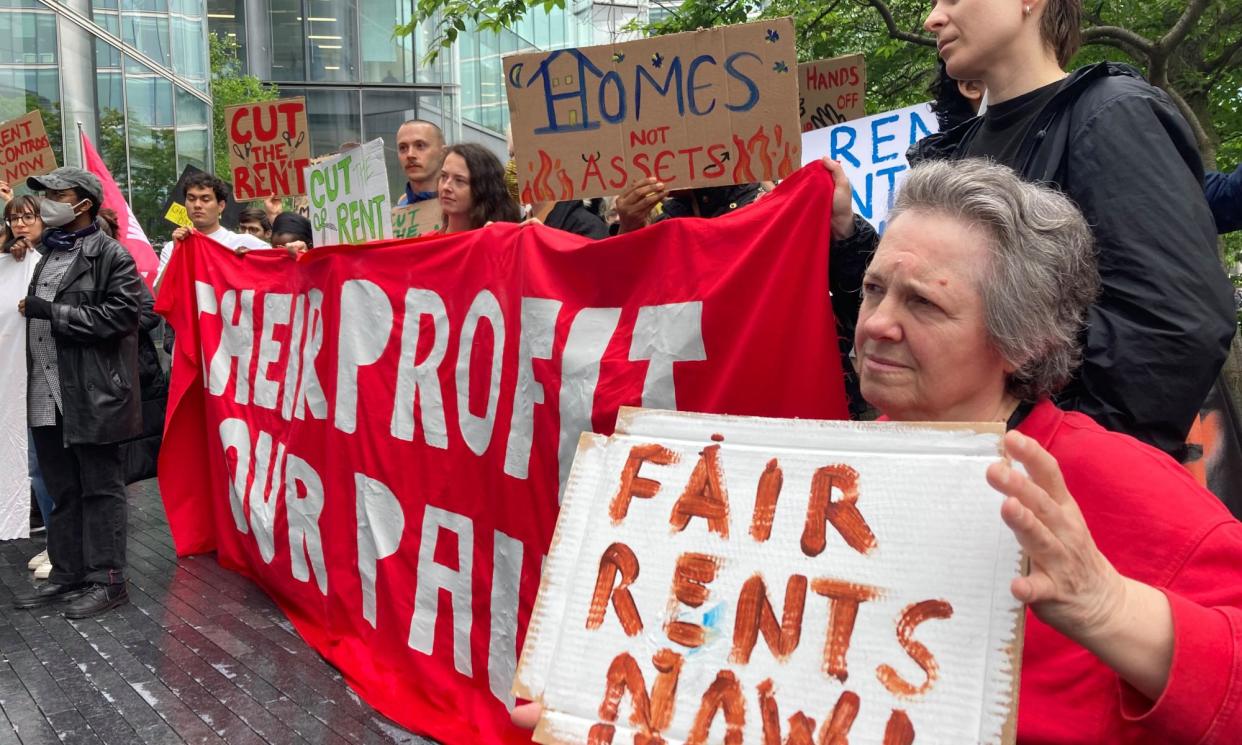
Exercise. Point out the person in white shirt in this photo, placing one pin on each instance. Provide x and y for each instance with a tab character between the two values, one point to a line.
205	199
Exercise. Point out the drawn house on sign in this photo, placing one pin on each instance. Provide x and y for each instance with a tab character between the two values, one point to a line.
707	108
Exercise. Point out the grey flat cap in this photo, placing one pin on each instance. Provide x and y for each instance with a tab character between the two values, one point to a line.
67	177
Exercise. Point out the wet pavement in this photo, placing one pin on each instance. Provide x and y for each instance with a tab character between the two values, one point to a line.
200	655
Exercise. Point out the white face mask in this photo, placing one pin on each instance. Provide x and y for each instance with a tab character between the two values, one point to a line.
58	214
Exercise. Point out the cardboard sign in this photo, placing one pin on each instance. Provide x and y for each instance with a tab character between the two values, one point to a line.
174	206
873	151
348	195
414	220
269	147
25	149
707	108
831	91
728	579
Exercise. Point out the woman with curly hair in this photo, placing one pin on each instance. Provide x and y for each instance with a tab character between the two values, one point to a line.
472	189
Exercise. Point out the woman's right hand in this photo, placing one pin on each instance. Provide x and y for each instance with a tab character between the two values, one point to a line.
19	248
842	200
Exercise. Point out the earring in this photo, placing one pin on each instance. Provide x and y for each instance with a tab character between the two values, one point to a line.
1026	10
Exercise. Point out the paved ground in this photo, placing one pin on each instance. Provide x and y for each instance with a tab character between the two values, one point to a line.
199	656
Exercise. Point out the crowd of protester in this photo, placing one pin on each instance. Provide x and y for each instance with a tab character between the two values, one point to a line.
1034	272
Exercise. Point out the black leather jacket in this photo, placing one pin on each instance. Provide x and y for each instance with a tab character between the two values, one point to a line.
95	323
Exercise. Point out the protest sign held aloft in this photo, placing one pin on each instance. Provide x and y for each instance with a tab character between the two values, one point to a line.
873	152
348	195
25	149
414	220
269	146
831	91
728	579
706	108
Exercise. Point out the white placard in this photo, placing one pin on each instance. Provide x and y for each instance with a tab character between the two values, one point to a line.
873	151
892	525
348	196
14	475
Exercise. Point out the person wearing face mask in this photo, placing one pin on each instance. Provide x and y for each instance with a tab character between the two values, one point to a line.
82	313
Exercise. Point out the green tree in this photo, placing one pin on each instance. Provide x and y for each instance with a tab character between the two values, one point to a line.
229	86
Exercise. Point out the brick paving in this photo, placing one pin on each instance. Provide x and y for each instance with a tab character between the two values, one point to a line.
200	655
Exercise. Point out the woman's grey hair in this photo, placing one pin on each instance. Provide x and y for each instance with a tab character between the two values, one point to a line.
1042	276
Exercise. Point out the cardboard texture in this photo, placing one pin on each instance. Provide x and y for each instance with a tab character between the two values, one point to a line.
269	147
873	152
831	91
885	571
25	149
348	195
174	206
420	218
700	109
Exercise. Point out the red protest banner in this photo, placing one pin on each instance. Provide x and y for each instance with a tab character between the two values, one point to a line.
25	149
269	146
377	434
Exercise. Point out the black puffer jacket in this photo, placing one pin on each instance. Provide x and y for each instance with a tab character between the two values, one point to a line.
1159	334
95	323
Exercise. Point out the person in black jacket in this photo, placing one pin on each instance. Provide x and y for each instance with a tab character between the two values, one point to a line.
1158	337
83	397
572	216
1224	195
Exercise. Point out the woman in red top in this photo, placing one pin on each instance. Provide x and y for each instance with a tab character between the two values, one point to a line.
972	311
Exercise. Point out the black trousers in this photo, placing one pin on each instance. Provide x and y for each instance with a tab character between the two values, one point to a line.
86	535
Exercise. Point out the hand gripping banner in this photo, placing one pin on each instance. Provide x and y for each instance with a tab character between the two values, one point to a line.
376	434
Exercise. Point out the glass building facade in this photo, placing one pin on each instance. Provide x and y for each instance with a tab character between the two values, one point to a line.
361	82
132	73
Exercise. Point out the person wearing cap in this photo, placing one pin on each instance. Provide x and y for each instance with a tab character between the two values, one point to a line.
83	399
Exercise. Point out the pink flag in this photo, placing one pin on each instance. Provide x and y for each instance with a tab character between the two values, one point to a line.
129	232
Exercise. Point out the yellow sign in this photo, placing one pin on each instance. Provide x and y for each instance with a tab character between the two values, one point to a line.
177	215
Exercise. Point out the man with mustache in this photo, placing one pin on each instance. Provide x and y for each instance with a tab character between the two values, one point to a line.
420	150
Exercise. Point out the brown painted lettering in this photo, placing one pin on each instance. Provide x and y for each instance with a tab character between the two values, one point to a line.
843	601
899	730
690	579
836	731
705	495
724	694
801	728
617	559
766	494
843	515
633	485
911	617
651	714
755	615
